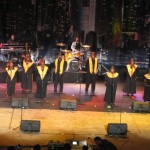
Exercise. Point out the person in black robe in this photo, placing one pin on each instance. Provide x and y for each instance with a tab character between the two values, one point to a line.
146	95
11	79
59	71
28	68
92	69
130	83
111	80
42	77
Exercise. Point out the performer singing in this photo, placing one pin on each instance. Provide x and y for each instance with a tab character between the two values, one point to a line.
59	70
111	80
11	79
27	72
42	76
146	96
130	83
92	69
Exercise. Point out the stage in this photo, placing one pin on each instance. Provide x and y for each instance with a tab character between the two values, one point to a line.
63	126
90	119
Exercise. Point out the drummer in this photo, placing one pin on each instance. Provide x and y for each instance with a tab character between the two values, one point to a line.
76	50
76	45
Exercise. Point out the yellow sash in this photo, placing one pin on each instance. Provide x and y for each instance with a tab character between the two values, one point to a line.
131	70
11	72
112	75
27	66
91	66
61	66
42	73
147	76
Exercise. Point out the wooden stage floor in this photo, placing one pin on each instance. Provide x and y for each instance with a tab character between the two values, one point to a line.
73	125
72	91
90	119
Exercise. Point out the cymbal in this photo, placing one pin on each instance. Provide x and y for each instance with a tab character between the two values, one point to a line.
61	44
66	51
86	46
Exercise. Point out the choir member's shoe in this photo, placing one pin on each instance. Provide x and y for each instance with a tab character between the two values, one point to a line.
128	94
86	93
92	93
55	91
109	107
37	100
60	92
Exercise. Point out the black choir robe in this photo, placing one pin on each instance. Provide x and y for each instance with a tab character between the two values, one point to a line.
146	95
27	73
111	86
11	80
130	83
92	69
59	71
42	78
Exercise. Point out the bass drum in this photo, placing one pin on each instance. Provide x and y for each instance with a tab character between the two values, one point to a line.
73	65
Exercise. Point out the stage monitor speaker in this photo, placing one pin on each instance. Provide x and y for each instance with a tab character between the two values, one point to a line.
141	107
30	125
20	103
68	104
117	129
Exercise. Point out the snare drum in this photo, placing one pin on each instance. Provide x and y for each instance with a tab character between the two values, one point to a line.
77	54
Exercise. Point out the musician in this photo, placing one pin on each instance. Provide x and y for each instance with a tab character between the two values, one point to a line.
59	71
111	80
130	83
11	79
92	69
146	95
76	51
12	40
28	68
76	45
42	77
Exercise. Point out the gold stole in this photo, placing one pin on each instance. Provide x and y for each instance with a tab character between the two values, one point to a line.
42	73
112	75
147	76
11	72
61	66
27	66
131	70
91	66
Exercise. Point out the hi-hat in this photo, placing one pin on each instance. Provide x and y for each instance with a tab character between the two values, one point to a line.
86	46
66	51
61	44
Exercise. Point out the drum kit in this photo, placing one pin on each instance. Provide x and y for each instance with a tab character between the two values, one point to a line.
74	60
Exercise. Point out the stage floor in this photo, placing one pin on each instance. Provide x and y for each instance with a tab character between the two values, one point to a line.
73	125
90	119
72	91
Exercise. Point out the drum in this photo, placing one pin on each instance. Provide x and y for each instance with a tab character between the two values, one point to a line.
68	56
77	54
73	65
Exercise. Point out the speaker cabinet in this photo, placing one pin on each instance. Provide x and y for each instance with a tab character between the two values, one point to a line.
68	104
30	125
119	129
141	107
20	103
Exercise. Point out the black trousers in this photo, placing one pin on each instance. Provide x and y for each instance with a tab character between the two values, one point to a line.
58	79
90	79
